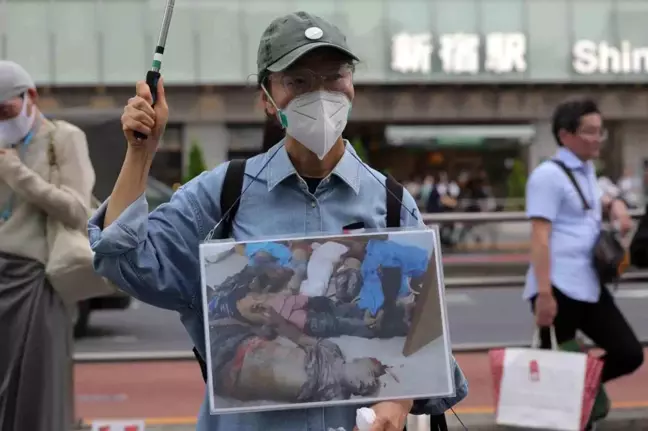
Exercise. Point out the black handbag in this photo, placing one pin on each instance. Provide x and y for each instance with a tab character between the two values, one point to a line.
639	244
608	253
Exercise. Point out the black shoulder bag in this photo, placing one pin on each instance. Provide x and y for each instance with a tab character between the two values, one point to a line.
608	253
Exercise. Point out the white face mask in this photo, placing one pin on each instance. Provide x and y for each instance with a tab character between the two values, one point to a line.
316	119
15	129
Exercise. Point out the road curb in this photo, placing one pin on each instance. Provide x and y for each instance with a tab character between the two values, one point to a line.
619	420
187	355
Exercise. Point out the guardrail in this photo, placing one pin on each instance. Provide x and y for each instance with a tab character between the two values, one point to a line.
517	281
512	281
490	217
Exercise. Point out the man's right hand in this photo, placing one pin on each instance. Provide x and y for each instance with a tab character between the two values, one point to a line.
546	309
140	116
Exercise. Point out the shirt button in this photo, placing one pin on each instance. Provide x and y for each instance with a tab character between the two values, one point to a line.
313	204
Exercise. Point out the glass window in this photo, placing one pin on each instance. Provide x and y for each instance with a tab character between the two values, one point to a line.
362	22
456	16
415	18
179	63
26	37
593	25
126	52
323	8
501	16
594	20
631	18
504	47
549	40
221	49
405	26
457	43
75	42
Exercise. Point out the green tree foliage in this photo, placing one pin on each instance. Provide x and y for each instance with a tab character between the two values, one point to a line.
360	149
517	179
196	162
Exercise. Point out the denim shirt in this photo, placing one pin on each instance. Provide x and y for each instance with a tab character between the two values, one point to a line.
154	257
552	196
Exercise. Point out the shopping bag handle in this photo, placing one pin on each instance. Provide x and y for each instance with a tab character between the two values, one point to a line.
552	335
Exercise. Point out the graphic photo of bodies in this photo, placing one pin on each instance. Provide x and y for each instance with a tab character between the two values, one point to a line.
320	320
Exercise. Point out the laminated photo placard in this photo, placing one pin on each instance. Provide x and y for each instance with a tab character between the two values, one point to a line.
325	320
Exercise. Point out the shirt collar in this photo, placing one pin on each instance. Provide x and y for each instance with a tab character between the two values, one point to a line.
572	161
281	168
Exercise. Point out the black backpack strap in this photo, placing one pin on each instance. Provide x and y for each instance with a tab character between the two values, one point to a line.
394	198
230	194
570	174
201	363
438	422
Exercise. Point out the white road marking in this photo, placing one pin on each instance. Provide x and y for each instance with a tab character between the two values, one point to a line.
458	298
123	339
631	294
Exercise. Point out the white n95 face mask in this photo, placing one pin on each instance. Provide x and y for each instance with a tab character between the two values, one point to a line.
15	129
316	119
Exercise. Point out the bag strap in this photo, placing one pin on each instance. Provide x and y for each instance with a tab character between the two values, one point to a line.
51	156
394	198
570	174
201	363
231	192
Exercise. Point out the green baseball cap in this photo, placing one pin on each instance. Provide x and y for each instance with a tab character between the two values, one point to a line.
290	37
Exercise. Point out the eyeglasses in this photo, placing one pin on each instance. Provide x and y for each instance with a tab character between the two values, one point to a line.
600	134
301	81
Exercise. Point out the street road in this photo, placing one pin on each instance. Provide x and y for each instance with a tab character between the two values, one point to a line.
477	316
168	393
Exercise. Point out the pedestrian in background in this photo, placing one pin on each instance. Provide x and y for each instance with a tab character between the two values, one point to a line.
562	283
35	327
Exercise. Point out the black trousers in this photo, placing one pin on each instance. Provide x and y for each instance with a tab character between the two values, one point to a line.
604	324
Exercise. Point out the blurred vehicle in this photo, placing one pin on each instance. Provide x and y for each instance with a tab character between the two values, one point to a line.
157	193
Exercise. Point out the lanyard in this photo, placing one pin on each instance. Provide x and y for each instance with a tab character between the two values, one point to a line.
8	207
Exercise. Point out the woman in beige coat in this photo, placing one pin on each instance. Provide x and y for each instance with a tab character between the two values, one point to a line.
35	328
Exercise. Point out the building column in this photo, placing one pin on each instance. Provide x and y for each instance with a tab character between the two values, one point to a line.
543	145
213	139
631	140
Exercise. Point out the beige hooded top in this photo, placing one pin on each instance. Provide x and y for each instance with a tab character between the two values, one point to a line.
23	234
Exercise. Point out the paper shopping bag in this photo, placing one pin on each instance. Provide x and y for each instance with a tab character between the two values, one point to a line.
545	389
602	403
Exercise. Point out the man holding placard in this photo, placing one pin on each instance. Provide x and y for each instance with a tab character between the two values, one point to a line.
311	182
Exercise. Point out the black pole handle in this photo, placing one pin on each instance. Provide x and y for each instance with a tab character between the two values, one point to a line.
152	78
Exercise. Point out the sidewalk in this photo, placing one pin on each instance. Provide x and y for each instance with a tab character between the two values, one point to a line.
168	394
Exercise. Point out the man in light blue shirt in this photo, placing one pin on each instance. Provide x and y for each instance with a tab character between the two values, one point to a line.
562	283
311	182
